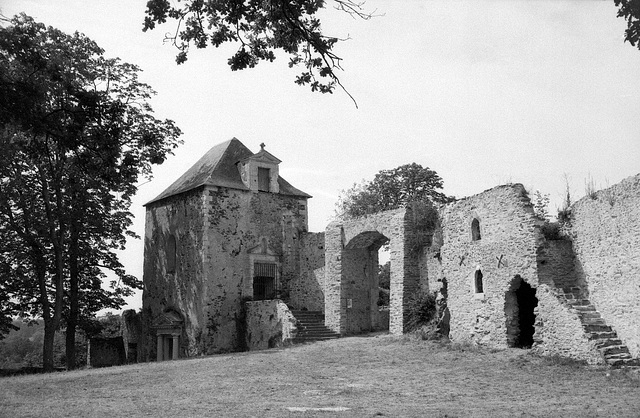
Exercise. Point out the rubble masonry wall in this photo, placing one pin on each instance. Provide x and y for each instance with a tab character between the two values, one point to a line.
605	229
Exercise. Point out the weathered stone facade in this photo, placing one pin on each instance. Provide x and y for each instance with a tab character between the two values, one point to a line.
205	247
505	249
307	290
605	230
231	230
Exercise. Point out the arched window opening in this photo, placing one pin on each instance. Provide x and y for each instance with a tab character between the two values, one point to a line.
171	254
478	285
475	230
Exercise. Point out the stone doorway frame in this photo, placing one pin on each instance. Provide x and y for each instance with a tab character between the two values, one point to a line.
397	226
168	326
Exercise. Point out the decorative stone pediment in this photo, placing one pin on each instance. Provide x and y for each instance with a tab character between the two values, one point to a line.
168	322
259	172
262	249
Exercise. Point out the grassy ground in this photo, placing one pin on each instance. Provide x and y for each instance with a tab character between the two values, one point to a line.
351	377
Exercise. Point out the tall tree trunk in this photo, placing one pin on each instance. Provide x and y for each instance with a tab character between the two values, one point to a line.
50	323
72	321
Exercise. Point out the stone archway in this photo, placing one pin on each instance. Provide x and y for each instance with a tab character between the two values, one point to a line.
360	281
519	308
351	260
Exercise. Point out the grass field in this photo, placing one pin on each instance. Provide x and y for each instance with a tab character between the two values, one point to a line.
350	377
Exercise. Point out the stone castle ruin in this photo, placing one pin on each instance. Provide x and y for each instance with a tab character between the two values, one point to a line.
229	265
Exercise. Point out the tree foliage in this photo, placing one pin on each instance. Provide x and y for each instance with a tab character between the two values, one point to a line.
391	189
260	29
630	11
76	132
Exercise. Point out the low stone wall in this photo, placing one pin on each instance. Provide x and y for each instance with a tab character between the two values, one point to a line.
269	324
605	229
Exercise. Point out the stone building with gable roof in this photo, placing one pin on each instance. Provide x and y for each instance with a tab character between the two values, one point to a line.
226	231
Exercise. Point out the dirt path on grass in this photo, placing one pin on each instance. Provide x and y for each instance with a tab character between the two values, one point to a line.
350	377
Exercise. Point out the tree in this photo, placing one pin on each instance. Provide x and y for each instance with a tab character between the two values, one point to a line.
76	132
541	205
391	189
630	11
259	28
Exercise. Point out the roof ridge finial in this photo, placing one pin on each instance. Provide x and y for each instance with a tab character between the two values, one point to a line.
262	146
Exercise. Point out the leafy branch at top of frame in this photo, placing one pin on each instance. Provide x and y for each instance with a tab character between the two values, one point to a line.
260	28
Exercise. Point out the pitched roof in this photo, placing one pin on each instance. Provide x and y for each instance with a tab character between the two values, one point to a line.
218	168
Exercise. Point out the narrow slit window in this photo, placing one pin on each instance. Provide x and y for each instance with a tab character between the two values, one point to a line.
478	285
475	230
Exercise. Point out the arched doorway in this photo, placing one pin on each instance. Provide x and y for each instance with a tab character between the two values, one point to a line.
360	281
519	308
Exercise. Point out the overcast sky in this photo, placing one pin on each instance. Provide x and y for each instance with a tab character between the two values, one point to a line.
483	92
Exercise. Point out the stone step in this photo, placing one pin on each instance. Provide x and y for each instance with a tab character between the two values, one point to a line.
316	332
618	356
631	363
306	313
607	342
317	336
598	335
583	308
579	302
593	321
589	314
614	349
596	328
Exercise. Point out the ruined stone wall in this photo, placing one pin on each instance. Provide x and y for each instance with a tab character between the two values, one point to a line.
510	249
269	324
214	230
559	331
605	229
183	289
557	264
307	289
506	248
369	232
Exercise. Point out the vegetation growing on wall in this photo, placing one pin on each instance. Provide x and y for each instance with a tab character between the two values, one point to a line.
421	311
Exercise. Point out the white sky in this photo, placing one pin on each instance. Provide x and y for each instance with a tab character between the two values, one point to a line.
483	92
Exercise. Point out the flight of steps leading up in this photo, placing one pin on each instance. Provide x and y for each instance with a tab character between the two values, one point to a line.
311	327
614	352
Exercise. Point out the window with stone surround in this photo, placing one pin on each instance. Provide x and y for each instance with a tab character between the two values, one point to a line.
171	254
264	178
478	286
475	230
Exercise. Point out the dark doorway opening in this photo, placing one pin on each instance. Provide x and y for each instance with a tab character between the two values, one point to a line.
264	288
520	304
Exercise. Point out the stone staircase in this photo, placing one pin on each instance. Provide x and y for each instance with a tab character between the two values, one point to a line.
614	352
311	327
